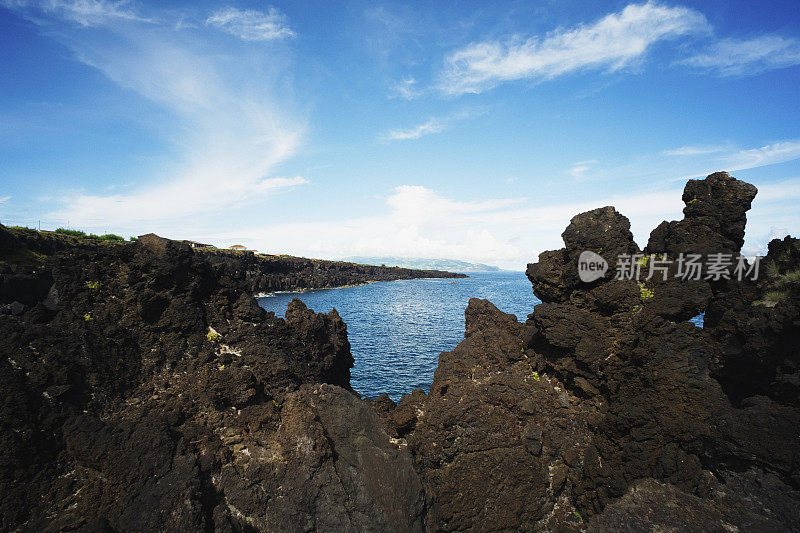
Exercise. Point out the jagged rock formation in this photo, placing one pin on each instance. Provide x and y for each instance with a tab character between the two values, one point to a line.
606	410
713	219
759	344
145	390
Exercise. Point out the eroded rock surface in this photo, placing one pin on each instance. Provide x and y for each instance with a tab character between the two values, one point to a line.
144	389
607	410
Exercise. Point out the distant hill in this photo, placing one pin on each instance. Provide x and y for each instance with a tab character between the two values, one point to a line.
451	265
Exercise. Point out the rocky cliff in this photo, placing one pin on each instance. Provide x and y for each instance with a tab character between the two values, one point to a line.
262	273
270	273
145	390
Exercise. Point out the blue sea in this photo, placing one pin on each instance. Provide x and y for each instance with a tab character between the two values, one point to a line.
398	328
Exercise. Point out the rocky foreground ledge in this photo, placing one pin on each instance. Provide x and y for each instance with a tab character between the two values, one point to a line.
143	389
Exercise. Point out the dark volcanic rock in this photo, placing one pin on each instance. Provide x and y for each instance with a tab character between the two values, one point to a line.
145	390
757	325
714	218
606	410
603	231
266	273
486	465
332	468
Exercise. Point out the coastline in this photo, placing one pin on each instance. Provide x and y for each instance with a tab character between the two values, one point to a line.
348	286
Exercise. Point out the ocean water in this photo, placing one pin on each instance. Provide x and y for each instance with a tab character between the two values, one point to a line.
398	328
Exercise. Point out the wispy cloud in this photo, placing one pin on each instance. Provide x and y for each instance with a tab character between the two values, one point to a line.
83	12
578	170
431	126
769	154
694	150
406	89
172	200
4	199
702	160
229	113
732	57
614	42
251	25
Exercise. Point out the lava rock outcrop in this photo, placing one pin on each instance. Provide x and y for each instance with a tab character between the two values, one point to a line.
144	389
266	273
607	410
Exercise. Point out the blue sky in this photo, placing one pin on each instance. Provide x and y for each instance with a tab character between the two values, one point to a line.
463	130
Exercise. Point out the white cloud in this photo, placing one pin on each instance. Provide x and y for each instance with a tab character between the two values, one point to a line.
769	154
251	25
614	42
578	170
418	203
178	199
508	232
83	12
406	89
690	150
731	159
4	199
432	126
419	222
731	57
225	106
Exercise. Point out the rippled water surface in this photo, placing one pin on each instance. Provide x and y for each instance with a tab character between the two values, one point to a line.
398	328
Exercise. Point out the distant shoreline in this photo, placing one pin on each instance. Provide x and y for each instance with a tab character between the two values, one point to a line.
351	285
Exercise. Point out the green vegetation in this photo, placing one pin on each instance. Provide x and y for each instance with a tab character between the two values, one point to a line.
94	285
108	237
213	336
88	317
577	515
779	287
644	292
83	235
73	232
773	298
536	376
643	261
789	280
